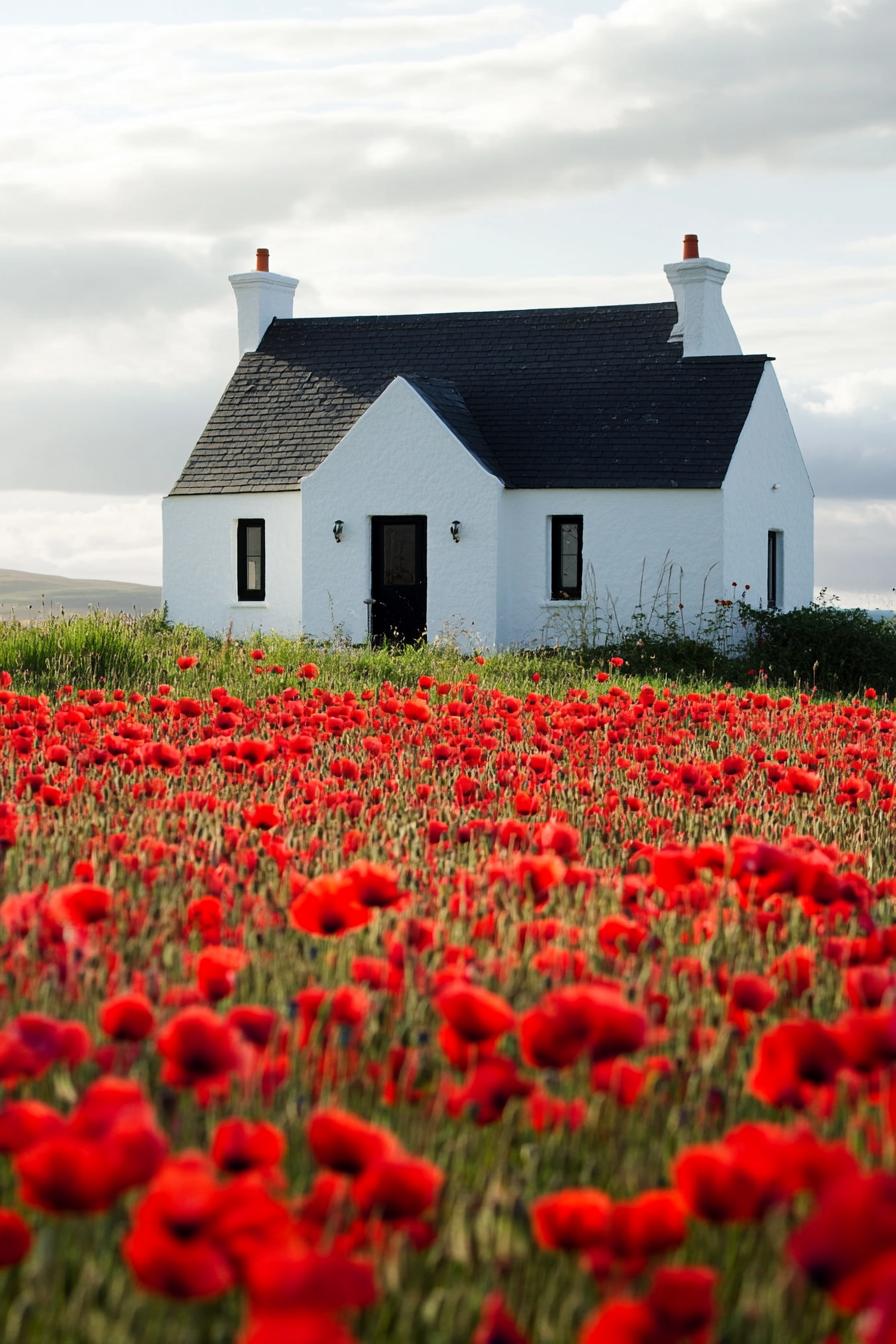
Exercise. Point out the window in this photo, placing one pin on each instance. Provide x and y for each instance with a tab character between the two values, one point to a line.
399	555
250	560
566	557
775	570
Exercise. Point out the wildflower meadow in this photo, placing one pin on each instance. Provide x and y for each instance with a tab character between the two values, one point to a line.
515	1007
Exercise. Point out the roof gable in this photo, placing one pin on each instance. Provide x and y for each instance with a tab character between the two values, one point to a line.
444	399
431	399
592	398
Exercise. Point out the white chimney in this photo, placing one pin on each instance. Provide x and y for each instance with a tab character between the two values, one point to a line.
703	326
260	297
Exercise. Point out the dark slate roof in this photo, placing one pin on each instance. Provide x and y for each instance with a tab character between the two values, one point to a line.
450	407
548	397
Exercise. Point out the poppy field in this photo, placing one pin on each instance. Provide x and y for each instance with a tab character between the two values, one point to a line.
486	1010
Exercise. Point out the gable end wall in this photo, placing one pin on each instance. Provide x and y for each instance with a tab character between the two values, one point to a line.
767	488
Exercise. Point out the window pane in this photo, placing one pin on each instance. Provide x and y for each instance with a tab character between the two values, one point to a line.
399	554
253	577
569	555
253	542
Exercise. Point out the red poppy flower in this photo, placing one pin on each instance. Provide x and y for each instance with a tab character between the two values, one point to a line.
9	826
417	711
294	1277
558	1031
329	907
239	1145
115	1116
164	756
682	1300
254	1023
572	1220
346	1143
620	1079
309	1327
180	1244
375	884
217	969
24	1123
15	1238
475	1013
198	1047
127	1017
868	1039
496	1325
717	1186
397	1187
567	1022
850	1235
80	903
751	993
650	1224
65	1174
618	1027
263	816
32	1042
493	1082
792	1058
176	1267
296	1294
623	1321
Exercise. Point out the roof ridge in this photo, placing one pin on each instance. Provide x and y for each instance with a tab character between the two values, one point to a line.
479	312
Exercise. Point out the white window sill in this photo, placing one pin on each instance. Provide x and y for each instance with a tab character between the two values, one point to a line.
240	606
564	602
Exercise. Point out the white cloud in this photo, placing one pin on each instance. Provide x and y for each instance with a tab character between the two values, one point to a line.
155	124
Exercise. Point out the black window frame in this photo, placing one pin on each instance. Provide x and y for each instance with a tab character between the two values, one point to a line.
243	591
558	593
774	587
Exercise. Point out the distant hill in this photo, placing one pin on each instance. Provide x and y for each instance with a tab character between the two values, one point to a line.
29	597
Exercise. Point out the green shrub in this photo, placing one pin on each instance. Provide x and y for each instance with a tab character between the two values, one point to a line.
833	648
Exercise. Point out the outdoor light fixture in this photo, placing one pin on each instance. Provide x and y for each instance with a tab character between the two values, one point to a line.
337	529
455	530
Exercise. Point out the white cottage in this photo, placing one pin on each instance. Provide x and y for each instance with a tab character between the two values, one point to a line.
497	478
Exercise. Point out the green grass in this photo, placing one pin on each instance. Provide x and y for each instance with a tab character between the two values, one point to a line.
114	650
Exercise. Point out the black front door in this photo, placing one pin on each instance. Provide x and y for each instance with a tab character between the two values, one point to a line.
398	581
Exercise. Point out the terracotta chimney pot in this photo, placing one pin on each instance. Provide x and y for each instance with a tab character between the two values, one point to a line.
262	256
691	249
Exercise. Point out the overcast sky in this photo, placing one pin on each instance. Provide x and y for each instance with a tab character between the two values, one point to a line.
408	155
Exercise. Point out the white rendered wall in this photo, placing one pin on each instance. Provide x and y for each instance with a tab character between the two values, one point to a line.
647	548
401	458
199	562
767	488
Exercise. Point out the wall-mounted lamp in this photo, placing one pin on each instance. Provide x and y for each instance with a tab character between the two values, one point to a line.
337	529
455	530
